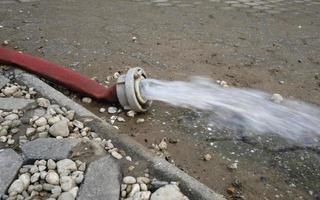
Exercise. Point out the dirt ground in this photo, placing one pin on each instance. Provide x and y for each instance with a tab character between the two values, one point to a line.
270	45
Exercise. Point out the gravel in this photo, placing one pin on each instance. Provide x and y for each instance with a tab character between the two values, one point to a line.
52	184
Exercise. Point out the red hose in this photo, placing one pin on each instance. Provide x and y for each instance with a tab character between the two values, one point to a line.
60	75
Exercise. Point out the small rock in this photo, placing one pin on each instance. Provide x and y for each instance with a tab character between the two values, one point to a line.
163	145
70	114
41	121
78	176
51	164
135	188
142	179
43	174
116	155
3	132
53	120
52	178
121	119
17	186
56	191
86	100
67	183
66	196
233	166
11	117
34	169
47	187
168	192
10	141
8	91
102	110
277	98
59	129
145	195
78	124
123	194
30	131
25	178
41	168
66	166
129	180
140	120
42	102
112	110
35	177
74	191
131	113
43	134
143	187
5	43
3	138
82	167
207	157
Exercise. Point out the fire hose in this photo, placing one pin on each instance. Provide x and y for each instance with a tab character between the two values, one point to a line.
126	91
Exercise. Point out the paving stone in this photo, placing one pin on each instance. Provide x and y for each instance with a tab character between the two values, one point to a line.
10	163
49	148
16	103
3	81
102	180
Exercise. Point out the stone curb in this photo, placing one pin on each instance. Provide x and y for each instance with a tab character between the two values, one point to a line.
189	185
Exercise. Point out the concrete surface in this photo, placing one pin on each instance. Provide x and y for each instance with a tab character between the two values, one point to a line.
10	163
16	103
102	180
3	81
48	148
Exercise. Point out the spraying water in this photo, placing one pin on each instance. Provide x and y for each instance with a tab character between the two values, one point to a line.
247	108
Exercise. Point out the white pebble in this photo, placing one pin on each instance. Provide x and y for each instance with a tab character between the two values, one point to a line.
129	180
86	100
52	178
112	110
131	113
277	98
116	155
121	119
140	120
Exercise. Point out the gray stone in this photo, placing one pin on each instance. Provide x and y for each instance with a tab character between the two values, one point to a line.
102	180
66	196
52	178
8	91
3	81
59	129
66	166
16	103
10	163
49	148
168	192
67	183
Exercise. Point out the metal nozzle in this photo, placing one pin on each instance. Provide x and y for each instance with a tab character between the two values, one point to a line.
128	90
